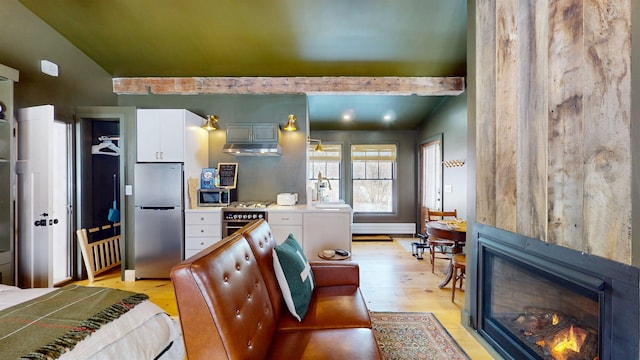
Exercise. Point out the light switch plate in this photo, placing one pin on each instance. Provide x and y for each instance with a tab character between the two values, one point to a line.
447	188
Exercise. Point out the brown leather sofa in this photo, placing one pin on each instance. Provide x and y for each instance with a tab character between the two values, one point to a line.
231	307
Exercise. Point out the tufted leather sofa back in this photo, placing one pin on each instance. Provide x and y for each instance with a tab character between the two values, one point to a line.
220	289
261	240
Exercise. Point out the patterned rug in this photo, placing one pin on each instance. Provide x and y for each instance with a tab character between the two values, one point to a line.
404	335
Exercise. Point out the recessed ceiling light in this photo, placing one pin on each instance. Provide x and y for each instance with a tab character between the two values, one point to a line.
389	116
348	115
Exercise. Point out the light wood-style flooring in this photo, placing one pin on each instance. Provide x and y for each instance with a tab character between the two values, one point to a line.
391	279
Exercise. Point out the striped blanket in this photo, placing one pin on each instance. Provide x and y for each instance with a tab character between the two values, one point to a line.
52	324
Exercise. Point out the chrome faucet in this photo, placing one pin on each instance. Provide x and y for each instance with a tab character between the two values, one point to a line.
320	188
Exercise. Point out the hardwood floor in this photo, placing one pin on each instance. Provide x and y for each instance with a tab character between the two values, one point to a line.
390	278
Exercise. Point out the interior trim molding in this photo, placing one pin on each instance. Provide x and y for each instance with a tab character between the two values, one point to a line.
332	85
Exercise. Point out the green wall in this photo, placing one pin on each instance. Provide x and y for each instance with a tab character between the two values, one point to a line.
451	121
26	40
259	178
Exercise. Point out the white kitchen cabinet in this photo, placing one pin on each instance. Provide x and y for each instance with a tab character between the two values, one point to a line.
284	223
163	134
202	229
326	229
249	133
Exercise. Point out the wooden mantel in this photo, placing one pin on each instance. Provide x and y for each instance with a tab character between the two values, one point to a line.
421	86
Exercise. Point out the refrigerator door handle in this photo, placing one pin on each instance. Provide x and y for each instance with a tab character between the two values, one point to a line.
157	207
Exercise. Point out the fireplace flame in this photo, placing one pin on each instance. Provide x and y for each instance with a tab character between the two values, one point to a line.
554	320
567	342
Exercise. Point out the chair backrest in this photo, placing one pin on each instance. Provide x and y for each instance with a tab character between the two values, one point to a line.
440	215
103	253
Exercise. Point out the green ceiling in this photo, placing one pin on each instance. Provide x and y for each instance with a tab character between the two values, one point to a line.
131	38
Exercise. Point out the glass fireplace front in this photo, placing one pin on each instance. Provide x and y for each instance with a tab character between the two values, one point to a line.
531	299
537	314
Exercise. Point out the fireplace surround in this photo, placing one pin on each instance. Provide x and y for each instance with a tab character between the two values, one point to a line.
535	300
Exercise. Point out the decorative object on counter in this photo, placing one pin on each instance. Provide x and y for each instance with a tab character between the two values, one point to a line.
192	184
291	123
318	147
207	178
228	173
453	163
211	123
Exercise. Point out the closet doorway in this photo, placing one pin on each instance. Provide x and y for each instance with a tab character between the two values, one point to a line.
101	165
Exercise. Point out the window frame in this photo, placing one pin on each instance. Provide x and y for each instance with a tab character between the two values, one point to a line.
394	178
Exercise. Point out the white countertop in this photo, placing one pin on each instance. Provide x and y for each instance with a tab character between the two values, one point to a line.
299	207
205	209
312	208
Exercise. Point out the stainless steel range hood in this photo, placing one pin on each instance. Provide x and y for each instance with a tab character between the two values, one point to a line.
253	149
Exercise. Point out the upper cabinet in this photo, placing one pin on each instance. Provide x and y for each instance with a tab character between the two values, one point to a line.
251	139
253	133
173	135
162	134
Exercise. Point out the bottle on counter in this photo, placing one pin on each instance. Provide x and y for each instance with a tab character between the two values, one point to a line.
216	179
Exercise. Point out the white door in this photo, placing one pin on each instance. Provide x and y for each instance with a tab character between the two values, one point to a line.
43	207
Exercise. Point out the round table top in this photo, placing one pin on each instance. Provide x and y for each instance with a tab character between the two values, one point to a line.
448	229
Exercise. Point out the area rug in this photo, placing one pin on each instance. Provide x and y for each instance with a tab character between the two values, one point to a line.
405	335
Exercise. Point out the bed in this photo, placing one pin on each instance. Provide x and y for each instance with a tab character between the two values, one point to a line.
141	330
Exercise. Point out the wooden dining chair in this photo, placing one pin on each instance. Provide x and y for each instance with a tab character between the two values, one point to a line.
459	272
439	248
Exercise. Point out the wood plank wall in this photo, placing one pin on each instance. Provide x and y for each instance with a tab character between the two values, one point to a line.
553	122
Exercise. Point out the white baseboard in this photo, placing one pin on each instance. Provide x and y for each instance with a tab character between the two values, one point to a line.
383	228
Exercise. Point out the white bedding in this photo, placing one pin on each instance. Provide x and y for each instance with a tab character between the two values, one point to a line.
144	332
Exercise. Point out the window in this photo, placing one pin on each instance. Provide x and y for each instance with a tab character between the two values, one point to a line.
373	172
326	162
431	175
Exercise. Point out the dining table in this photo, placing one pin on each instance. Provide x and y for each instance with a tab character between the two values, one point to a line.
454	230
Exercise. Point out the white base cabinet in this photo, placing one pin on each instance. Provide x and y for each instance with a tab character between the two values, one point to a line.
326	230
284	223
315	228
202	229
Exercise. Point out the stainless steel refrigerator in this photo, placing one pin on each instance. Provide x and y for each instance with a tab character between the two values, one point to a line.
159	221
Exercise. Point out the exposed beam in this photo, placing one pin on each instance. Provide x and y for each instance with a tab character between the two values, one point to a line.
340	85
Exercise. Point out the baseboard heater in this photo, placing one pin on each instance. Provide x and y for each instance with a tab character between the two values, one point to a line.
383	228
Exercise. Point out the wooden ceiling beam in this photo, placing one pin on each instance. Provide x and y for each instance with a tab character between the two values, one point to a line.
338	85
